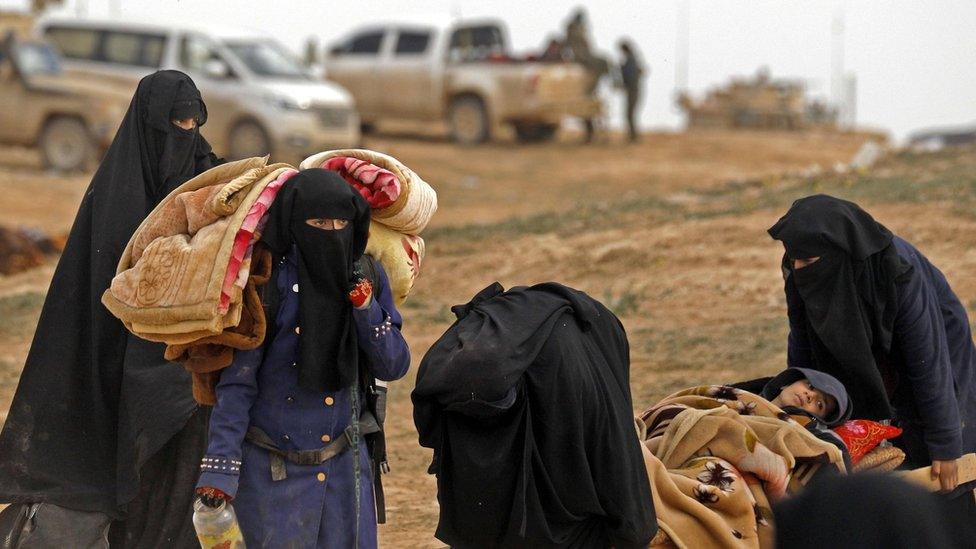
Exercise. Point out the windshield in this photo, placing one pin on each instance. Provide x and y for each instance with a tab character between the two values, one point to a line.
268	60
38	59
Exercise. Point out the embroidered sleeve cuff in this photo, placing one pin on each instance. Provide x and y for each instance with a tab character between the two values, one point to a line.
379	331
226	483
373	321
214	464
374	313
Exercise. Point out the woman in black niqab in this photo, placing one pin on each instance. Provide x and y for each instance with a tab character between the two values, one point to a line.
328	358
95	404
846	299
869	308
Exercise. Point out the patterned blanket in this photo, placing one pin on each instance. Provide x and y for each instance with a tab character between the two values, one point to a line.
401	256
716	457
400	199
182	276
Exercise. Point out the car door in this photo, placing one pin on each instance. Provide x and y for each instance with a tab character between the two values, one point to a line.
411	69
354	65
17	112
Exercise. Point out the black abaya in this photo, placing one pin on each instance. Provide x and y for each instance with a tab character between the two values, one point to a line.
95	403
526	403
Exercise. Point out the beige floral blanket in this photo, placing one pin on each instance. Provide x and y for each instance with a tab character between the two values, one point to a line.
716	457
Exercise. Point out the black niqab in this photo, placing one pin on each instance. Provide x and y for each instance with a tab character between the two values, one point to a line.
847	298
171	155
328	352
526	402
94	403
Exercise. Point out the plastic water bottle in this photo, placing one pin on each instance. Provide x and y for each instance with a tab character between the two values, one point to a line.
217	527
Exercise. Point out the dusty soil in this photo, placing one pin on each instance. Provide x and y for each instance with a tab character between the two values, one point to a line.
670	234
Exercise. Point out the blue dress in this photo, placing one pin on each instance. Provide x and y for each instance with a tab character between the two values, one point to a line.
316	505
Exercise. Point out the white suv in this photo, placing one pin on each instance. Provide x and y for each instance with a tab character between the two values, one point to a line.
260	99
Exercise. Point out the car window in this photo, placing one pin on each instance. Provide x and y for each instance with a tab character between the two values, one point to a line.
124	48
75	43
267	59
366	43
195	51
152	51
411	42
37	59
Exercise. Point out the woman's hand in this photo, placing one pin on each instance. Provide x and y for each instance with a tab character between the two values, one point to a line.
361	293
947	472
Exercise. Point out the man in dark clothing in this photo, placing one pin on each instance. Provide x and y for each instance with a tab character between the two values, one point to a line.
868	308
577	44
101	427
631	74
526	403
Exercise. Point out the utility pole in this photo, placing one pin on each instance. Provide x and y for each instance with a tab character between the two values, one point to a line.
683	27
838	84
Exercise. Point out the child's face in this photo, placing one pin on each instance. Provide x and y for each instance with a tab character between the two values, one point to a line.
802	394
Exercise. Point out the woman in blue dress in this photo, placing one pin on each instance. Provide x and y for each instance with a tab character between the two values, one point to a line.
289	433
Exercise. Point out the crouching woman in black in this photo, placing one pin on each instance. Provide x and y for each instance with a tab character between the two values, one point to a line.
526	403
868	308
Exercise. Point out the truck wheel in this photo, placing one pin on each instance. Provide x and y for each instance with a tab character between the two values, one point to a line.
535	132
469	120
247	140
65	144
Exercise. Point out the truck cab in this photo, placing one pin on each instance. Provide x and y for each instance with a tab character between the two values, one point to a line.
459	72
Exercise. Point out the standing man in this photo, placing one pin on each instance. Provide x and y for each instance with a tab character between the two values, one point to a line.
631	73
578	45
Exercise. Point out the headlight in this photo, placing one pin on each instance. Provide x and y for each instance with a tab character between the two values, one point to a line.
286	103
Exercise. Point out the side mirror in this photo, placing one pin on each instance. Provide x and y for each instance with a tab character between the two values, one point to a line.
216	69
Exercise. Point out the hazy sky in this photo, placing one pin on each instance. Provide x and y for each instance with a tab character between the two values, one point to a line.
915	62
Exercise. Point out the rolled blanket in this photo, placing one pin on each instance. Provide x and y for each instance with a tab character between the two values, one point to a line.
181	278
401	256
400	199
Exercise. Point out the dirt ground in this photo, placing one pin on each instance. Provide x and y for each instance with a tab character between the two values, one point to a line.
669	233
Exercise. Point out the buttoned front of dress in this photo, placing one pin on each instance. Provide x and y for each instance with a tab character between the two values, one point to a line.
314	506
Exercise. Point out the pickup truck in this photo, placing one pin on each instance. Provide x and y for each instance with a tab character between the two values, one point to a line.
71	120
459	72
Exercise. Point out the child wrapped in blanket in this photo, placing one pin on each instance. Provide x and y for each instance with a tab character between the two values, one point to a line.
814	395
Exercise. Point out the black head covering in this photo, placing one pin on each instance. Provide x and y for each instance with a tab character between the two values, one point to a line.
526	403
847	298
94	402
171	153
866	510
328	350
825	382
